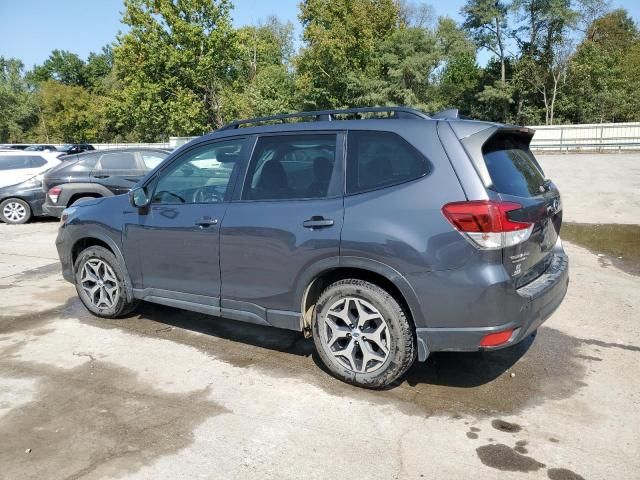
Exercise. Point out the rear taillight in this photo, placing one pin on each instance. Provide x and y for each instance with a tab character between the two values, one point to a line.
495	339
486	223
54	193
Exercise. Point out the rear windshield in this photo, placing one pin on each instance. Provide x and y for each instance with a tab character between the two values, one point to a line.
513	168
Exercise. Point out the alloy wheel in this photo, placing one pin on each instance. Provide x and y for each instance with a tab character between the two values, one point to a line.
100	284
356	334
14	211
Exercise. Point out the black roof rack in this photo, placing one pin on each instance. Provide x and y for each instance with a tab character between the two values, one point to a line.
327	115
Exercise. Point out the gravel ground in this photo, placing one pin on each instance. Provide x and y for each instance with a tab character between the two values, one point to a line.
172	394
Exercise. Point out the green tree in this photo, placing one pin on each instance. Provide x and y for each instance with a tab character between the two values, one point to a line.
16	102
602	79
98	68
265	81
173	66
340	41
63	66
487	22
68	113
545	39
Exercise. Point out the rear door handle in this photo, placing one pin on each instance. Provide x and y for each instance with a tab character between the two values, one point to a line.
206	222
317	221
101	176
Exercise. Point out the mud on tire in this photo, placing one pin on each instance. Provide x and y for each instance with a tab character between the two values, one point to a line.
363	335
100	283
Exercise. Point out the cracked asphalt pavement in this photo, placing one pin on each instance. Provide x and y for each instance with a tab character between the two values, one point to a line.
172	394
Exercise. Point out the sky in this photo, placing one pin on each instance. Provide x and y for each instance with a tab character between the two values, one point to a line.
31	29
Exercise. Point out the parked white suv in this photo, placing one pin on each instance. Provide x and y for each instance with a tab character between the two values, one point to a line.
19	166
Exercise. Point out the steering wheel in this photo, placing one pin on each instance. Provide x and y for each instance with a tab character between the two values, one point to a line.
208	194
165	192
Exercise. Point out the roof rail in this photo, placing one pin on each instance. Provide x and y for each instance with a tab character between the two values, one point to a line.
327	115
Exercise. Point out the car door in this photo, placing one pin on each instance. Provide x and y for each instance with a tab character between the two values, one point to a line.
287	220
15	169
172	246
118	171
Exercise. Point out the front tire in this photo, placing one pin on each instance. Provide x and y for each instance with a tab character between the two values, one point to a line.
15	211
363	334
100	283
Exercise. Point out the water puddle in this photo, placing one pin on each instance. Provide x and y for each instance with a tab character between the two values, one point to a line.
615	243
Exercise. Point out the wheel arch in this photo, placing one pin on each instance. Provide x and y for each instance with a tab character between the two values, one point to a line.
364	269
73	191
369	270
99	240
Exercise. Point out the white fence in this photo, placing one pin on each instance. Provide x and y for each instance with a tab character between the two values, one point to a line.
564	138
587	137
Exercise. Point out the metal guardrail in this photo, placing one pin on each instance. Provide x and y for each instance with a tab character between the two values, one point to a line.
588	138
563	138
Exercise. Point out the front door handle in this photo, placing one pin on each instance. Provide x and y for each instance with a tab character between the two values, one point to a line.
101	176
206	222
317	221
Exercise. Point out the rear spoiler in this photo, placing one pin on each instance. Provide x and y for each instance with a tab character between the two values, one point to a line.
478	133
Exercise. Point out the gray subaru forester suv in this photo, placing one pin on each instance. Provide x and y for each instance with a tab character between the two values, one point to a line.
383	233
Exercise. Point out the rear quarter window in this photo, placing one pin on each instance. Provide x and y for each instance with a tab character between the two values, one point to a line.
512	166
118	161
381	159
37	161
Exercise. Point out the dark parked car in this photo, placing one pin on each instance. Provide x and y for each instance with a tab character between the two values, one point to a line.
19	203
385	239
41	148
99	173
70	149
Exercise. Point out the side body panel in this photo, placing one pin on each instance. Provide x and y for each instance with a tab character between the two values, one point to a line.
403	228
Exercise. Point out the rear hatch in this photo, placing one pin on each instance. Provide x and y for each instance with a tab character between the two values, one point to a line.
516	176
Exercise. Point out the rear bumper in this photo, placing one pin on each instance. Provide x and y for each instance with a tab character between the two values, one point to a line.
53	210
539	299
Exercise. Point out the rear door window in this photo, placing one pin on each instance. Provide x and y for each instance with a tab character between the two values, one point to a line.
293	167
381	159
15	162
118	161
512	167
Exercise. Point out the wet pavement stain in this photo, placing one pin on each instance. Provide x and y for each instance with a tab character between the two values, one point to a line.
479	383
502	457
611	240
16	323
521	446
505	426
563	474
113	423
472	435
476	383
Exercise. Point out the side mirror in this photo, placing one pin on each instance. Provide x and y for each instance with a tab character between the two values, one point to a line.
138	197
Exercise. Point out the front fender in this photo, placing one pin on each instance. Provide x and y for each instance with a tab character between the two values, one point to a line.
76	233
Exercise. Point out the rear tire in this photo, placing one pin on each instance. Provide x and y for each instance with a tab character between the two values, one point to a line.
15	211
363	334
100	283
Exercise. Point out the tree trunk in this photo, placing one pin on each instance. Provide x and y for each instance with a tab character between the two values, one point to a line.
503	73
